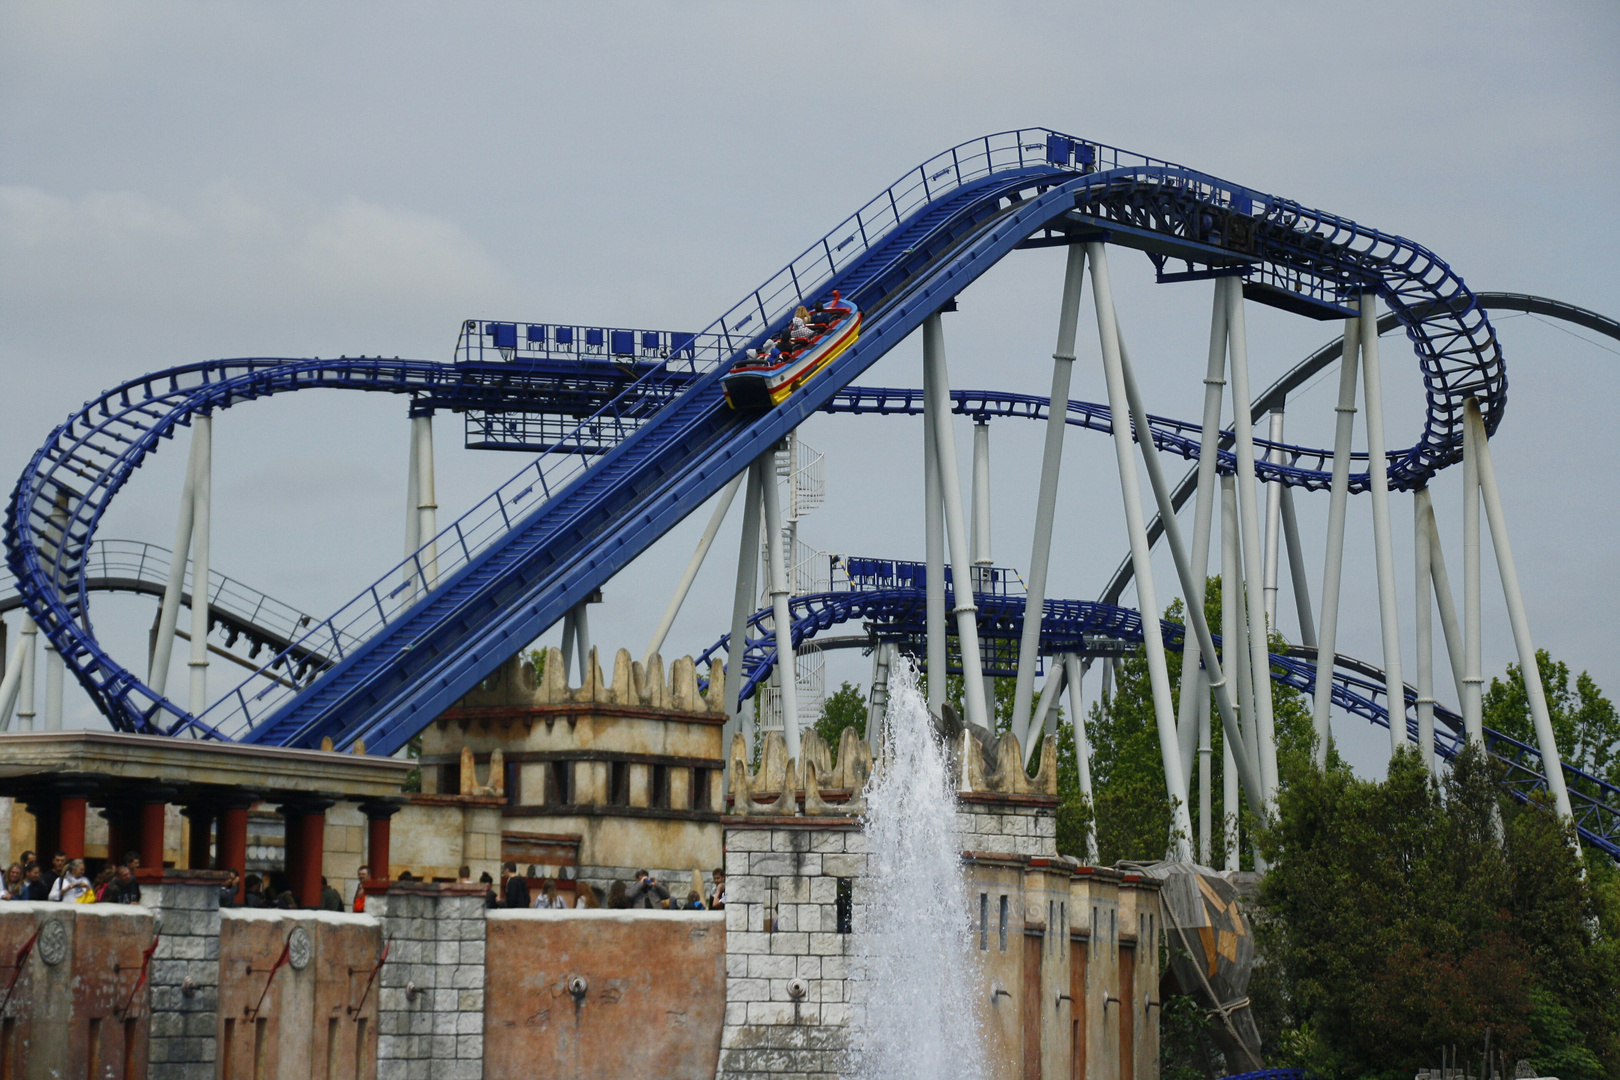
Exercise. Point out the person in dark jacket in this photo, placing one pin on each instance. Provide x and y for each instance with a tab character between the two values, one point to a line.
35	885
253	892
490	899
331	899
647	892
517	891
125	889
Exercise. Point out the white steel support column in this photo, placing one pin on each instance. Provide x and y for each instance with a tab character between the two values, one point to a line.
1423	595
426	503
157	676
1274	489
1074	276
413	519
11	683
1372	396
877	706
1194	679
567	649
202	438
1231	589
1338	498
1552	762
1082	747
1045	710
1243	623
1473	708
1296	570
934	557
787	669
1249	521
55	671
1192	581
950	483
1141	555
742	605
582	640
721	508
1450	628
980	546
25	685
1206	800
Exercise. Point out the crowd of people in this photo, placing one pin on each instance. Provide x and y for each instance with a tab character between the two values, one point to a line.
66	882
529	890
805	328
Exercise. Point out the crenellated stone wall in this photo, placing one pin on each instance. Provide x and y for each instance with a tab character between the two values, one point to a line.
590	782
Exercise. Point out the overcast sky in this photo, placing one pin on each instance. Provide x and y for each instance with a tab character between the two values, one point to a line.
185	181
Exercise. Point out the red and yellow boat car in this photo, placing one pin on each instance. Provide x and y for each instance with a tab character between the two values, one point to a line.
786	362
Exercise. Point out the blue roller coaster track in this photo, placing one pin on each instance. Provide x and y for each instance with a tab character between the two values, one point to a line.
619	478
895	612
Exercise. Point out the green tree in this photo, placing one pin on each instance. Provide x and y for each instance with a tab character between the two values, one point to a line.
1584	721
1133	812
1396	918
843	708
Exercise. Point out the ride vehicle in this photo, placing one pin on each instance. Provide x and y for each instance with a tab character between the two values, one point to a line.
786	362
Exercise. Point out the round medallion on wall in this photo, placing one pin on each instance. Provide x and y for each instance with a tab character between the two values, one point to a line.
298	948
53	942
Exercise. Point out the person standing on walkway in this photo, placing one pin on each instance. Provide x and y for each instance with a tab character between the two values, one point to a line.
517	892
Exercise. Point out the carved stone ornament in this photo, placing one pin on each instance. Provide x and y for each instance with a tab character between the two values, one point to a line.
298	948
53	942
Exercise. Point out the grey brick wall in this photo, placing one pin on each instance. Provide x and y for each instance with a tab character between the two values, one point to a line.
788	873
184	1043
430	1008
1006	829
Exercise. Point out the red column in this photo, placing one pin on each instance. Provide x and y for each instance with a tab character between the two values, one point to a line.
151	844
378	827
377	853
70	817
311	847
233	843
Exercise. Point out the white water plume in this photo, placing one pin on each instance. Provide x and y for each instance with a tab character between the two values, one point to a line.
920	989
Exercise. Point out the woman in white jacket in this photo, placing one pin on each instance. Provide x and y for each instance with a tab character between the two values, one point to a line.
72	884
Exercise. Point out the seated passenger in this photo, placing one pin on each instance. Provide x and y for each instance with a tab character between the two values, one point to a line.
799	328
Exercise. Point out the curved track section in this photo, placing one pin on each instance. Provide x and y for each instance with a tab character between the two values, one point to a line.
244	613
1358	688
517	561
